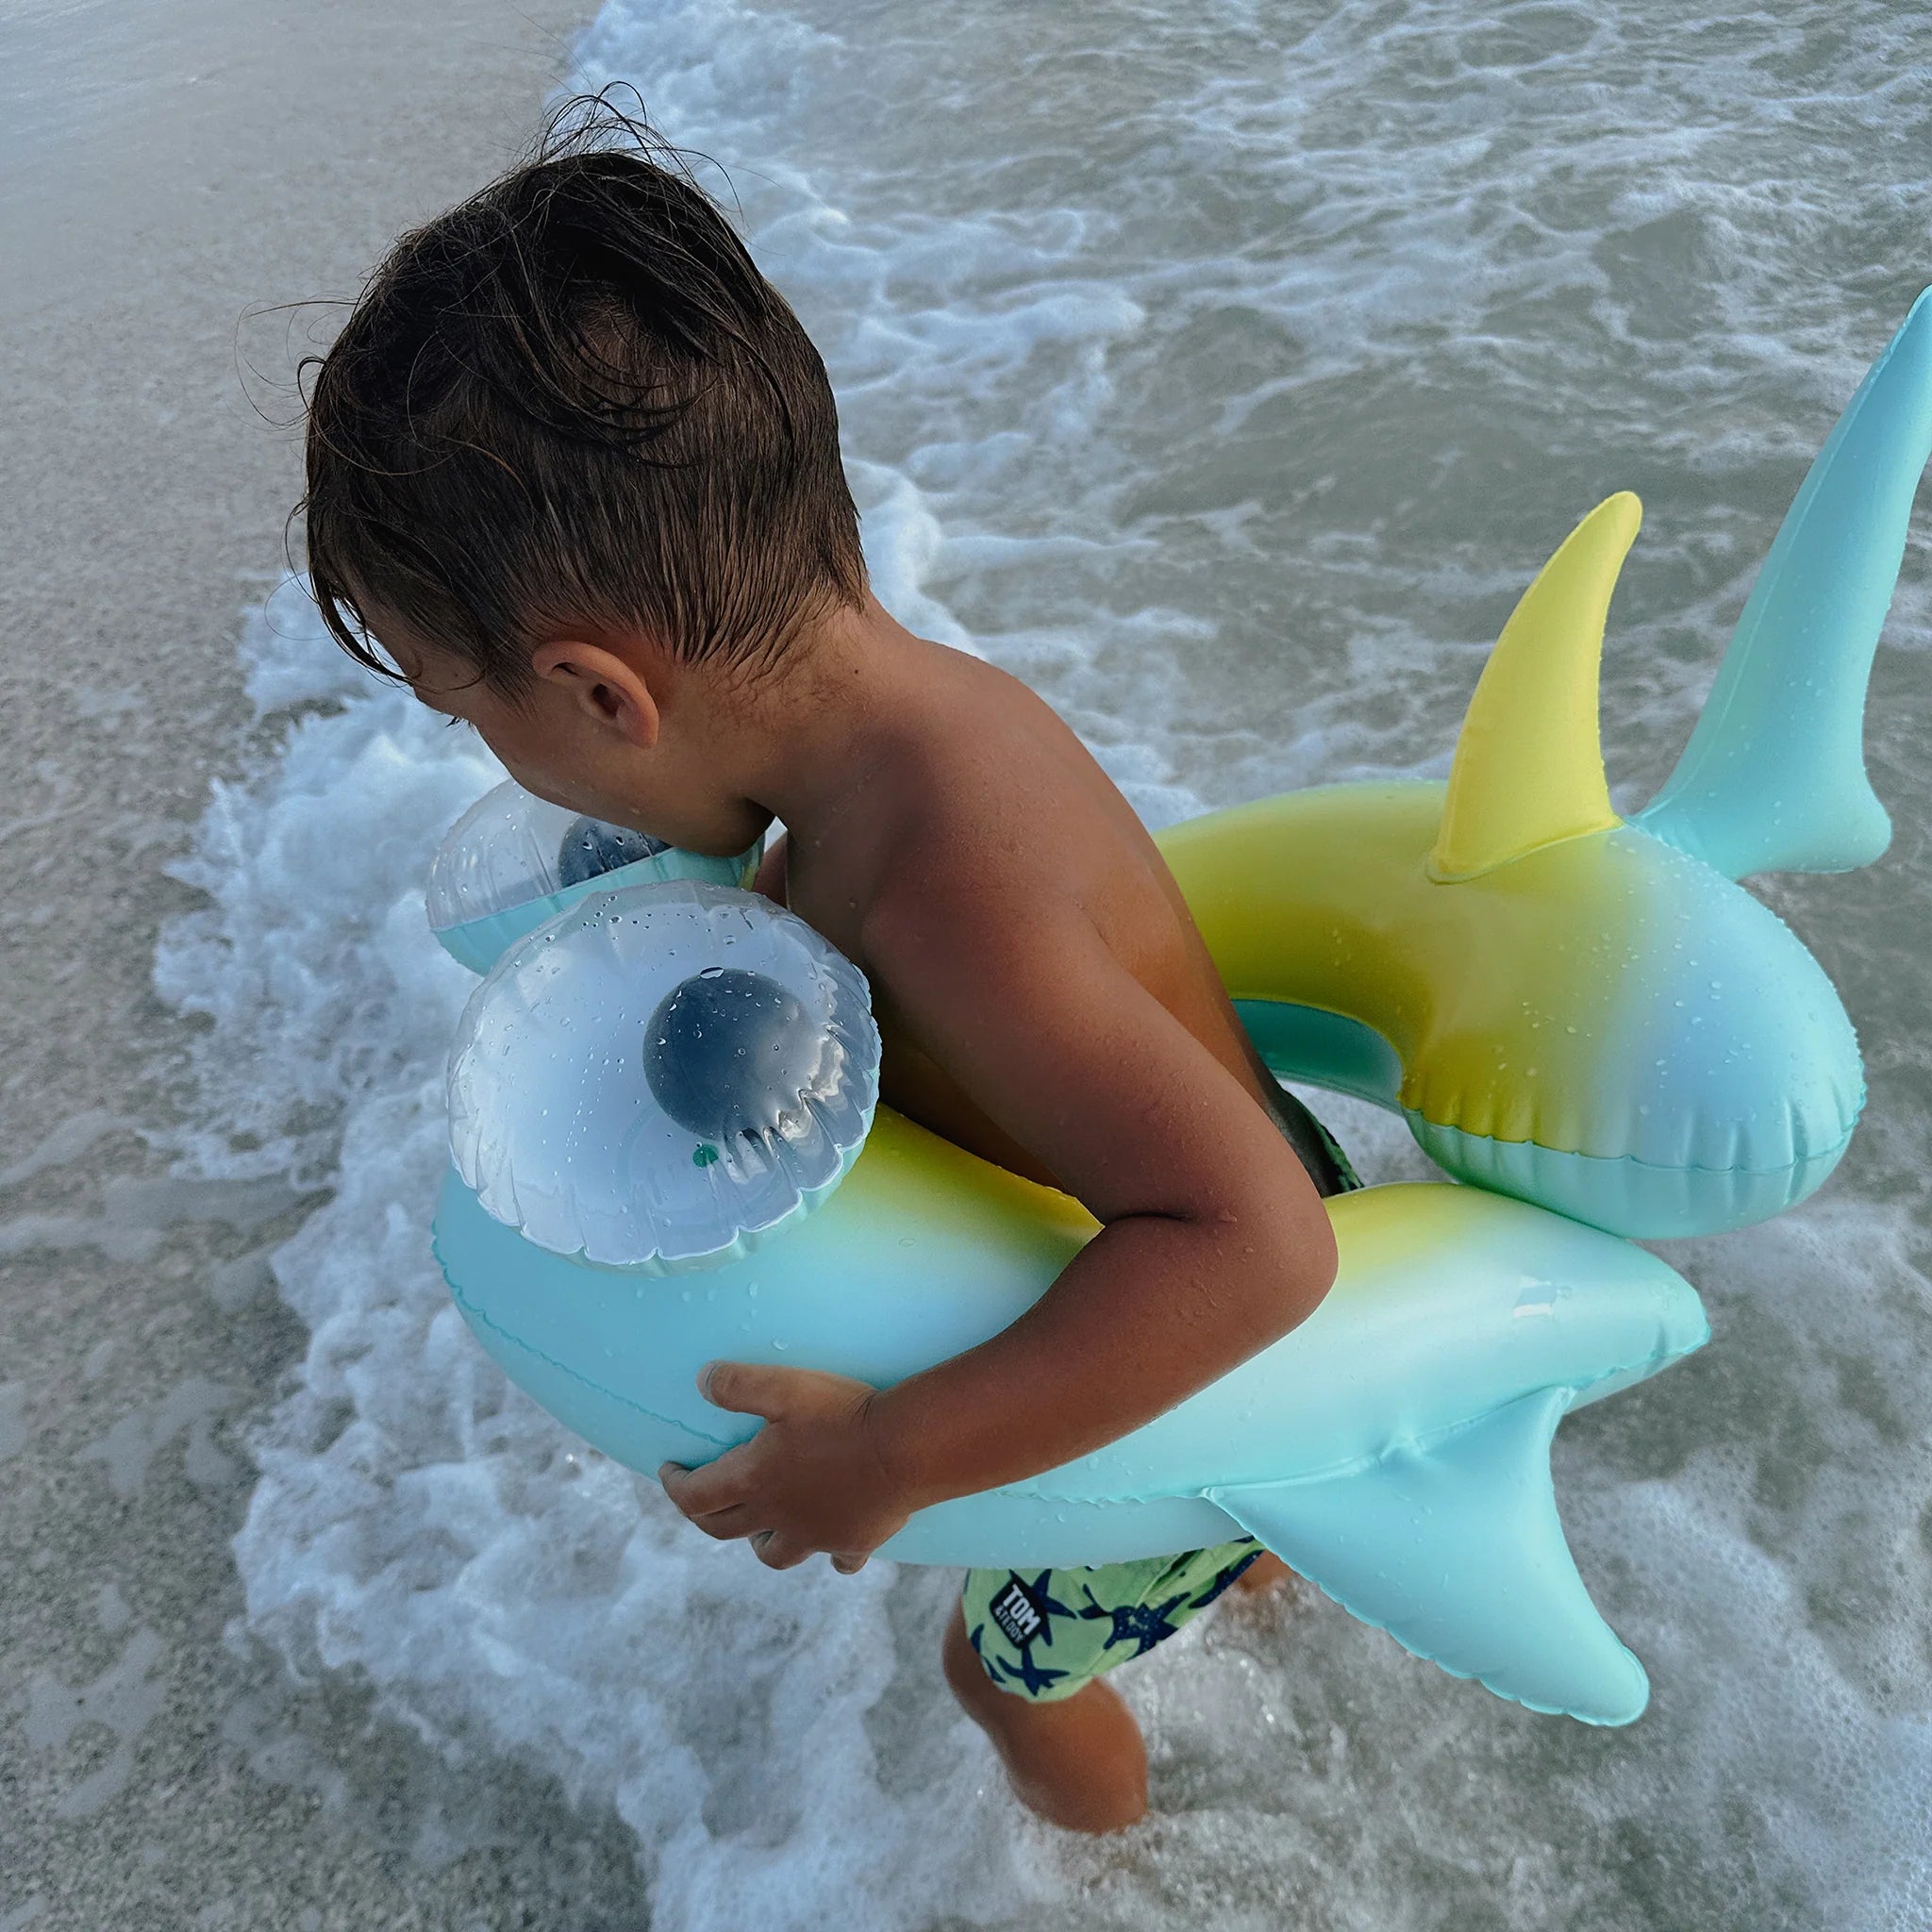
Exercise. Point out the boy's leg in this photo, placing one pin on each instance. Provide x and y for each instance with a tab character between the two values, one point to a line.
1266	1573
1025	1653
1077	1762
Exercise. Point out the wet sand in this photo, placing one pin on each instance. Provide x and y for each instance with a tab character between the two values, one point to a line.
167	170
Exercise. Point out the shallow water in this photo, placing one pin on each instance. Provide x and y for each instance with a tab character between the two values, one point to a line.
1225	372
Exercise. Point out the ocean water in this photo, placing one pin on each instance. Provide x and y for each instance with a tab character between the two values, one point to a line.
1226	371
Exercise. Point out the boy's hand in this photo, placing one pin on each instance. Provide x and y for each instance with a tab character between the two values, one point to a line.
812	1479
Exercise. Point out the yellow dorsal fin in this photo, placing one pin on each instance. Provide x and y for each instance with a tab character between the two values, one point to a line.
1529	764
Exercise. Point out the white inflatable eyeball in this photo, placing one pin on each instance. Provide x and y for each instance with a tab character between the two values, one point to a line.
513	860
662	1076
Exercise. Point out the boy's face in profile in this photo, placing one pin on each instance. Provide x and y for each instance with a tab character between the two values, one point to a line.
593	736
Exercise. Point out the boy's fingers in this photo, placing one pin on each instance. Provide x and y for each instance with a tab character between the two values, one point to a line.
777	1551
701	1491
748	1388
739	1519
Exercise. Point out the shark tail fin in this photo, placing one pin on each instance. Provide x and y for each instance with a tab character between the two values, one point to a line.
1456	1550
1774	777
1529	764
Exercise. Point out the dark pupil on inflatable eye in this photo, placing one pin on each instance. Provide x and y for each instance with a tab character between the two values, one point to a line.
730	1055
592	848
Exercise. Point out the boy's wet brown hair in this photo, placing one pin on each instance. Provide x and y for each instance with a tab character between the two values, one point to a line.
573	398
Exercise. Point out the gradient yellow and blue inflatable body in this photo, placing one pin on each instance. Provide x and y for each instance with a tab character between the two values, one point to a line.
1580	1011
1587	1014
1394	1448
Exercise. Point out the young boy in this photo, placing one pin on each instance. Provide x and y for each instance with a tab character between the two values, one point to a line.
575	464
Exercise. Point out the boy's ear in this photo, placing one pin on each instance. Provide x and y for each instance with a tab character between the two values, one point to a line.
610	692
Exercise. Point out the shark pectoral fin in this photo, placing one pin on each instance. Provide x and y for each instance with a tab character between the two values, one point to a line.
1457	1553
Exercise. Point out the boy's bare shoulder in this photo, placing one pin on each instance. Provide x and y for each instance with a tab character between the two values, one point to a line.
1011	849
1005	818
1043	996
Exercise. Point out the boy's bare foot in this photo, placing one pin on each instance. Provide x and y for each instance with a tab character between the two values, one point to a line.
1266	1573
1077	1762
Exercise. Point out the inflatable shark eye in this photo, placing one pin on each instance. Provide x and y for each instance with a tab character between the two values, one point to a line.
662	1078
591	848
514	859
733	1057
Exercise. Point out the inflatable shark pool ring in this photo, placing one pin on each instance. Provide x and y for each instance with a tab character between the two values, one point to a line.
668	1145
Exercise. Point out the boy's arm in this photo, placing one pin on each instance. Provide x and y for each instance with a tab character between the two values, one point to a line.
1214	1243
1213	1239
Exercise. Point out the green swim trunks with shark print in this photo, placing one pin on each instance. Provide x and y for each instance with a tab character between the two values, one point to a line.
1044	1634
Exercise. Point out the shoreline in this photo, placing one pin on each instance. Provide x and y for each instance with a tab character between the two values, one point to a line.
171	176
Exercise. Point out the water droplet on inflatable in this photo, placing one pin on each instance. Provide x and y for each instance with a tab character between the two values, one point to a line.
590	849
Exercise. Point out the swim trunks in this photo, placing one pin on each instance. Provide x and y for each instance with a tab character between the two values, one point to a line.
1045	1634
